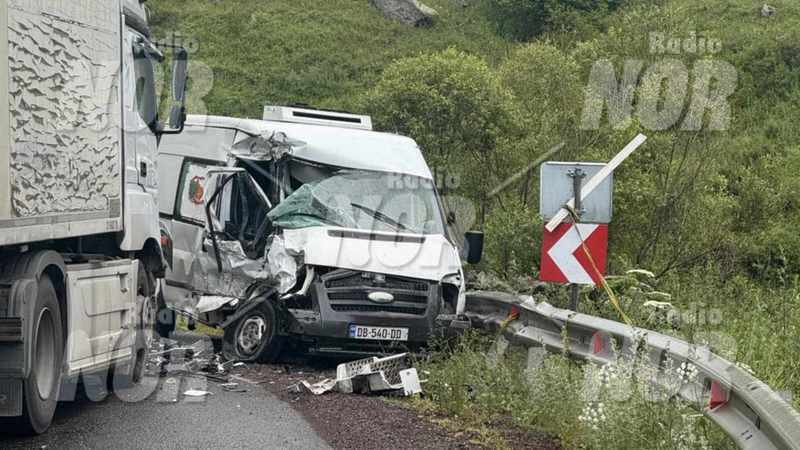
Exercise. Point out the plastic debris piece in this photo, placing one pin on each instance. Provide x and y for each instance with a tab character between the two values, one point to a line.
368	375
319	388
411	383
197	393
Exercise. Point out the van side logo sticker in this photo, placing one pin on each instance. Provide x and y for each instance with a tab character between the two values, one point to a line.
196	190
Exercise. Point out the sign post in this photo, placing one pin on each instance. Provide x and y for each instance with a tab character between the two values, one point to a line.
577	176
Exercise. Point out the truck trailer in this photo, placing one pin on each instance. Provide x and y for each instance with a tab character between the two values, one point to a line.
80	253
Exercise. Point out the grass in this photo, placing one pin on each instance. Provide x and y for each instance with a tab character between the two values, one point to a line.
320	53
182	324
580	406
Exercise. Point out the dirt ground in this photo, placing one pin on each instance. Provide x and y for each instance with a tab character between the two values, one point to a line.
348	421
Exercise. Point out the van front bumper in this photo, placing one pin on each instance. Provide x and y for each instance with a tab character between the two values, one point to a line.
337	304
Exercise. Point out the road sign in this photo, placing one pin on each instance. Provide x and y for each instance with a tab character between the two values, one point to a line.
556	189
596	180
564	259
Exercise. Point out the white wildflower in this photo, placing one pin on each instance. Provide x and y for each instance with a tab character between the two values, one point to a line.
687	372
593	416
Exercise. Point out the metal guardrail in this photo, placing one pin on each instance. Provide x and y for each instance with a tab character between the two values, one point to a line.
751	413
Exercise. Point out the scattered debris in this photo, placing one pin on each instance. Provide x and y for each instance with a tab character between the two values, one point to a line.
390	375
167	359
197	393
768	11
232	387
410	381
318	388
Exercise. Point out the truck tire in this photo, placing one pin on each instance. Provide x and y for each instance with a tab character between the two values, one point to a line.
40	389
254	337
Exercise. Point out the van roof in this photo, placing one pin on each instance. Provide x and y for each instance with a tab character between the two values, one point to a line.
335	146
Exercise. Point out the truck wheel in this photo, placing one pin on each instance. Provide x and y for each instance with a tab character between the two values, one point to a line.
40	390
129	373
147	308
254	337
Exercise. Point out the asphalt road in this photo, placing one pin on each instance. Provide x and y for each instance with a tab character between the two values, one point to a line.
166	418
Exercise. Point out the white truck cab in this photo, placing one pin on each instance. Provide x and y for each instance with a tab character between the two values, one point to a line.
80	246
309	225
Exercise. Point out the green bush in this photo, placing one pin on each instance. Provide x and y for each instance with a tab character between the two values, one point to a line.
451	102
516	233
523	20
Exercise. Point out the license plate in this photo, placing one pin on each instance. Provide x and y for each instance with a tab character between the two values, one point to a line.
378	333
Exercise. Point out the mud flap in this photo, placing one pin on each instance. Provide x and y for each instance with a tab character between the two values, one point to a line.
14	331
14	347
10	397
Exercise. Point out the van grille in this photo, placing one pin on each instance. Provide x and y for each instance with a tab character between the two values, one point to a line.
348	291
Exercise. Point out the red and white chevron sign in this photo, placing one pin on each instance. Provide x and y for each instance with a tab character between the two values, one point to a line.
564	259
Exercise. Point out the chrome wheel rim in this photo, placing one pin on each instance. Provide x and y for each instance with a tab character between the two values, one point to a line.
251	334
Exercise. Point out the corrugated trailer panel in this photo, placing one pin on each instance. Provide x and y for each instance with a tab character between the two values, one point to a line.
63	161
5	135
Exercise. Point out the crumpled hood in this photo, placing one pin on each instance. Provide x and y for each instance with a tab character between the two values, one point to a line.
430	257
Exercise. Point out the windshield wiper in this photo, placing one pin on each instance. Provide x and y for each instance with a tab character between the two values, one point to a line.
381	216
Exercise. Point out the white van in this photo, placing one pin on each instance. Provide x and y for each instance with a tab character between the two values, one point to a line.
307	225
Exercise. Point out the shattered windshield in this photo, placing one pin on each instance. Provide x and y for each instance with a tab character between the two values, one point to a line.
364	200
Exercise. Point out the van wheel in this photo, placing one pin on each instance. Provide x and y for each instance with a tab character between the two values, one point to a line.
254	337
40	389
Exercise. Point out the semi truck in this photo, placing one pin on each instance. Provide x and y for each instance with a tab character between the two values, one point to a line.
80	250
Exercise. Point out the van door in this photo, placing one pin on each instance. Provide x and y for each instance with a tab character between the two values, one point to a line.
237	231
187	230
227	253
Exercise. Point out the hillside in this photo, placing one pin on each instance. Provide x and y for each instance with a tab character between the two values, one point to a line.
713	210
307	51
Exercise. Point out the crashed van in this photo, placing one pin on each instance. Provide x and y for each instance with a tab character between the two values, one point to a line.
307	225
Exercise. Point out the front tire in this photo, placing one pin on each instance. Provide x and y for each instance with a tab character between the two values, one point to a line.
41	388
254	337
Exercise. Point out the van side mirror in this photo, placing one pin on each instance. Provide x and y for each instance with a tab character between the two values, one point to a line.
474	246
180	74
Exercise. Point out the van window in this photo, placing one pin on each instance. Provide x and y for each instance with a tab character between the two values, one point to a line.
192	191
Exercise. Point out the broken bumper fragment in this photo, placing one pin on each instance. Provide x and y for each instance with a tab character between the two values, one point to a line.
392	374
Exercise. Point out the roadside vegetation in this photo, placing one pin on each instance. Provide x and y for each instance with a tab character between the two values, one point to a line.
582	406
492	86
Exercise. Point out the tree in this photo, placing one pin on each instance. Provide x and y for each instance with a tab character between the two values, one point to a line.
457	109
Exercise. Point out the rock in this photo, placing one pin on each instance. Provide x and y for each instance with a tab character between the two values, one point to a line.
768	11
409	12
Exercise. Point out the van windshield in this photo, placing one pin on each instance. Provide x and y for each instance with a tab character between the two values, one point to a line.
364	200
